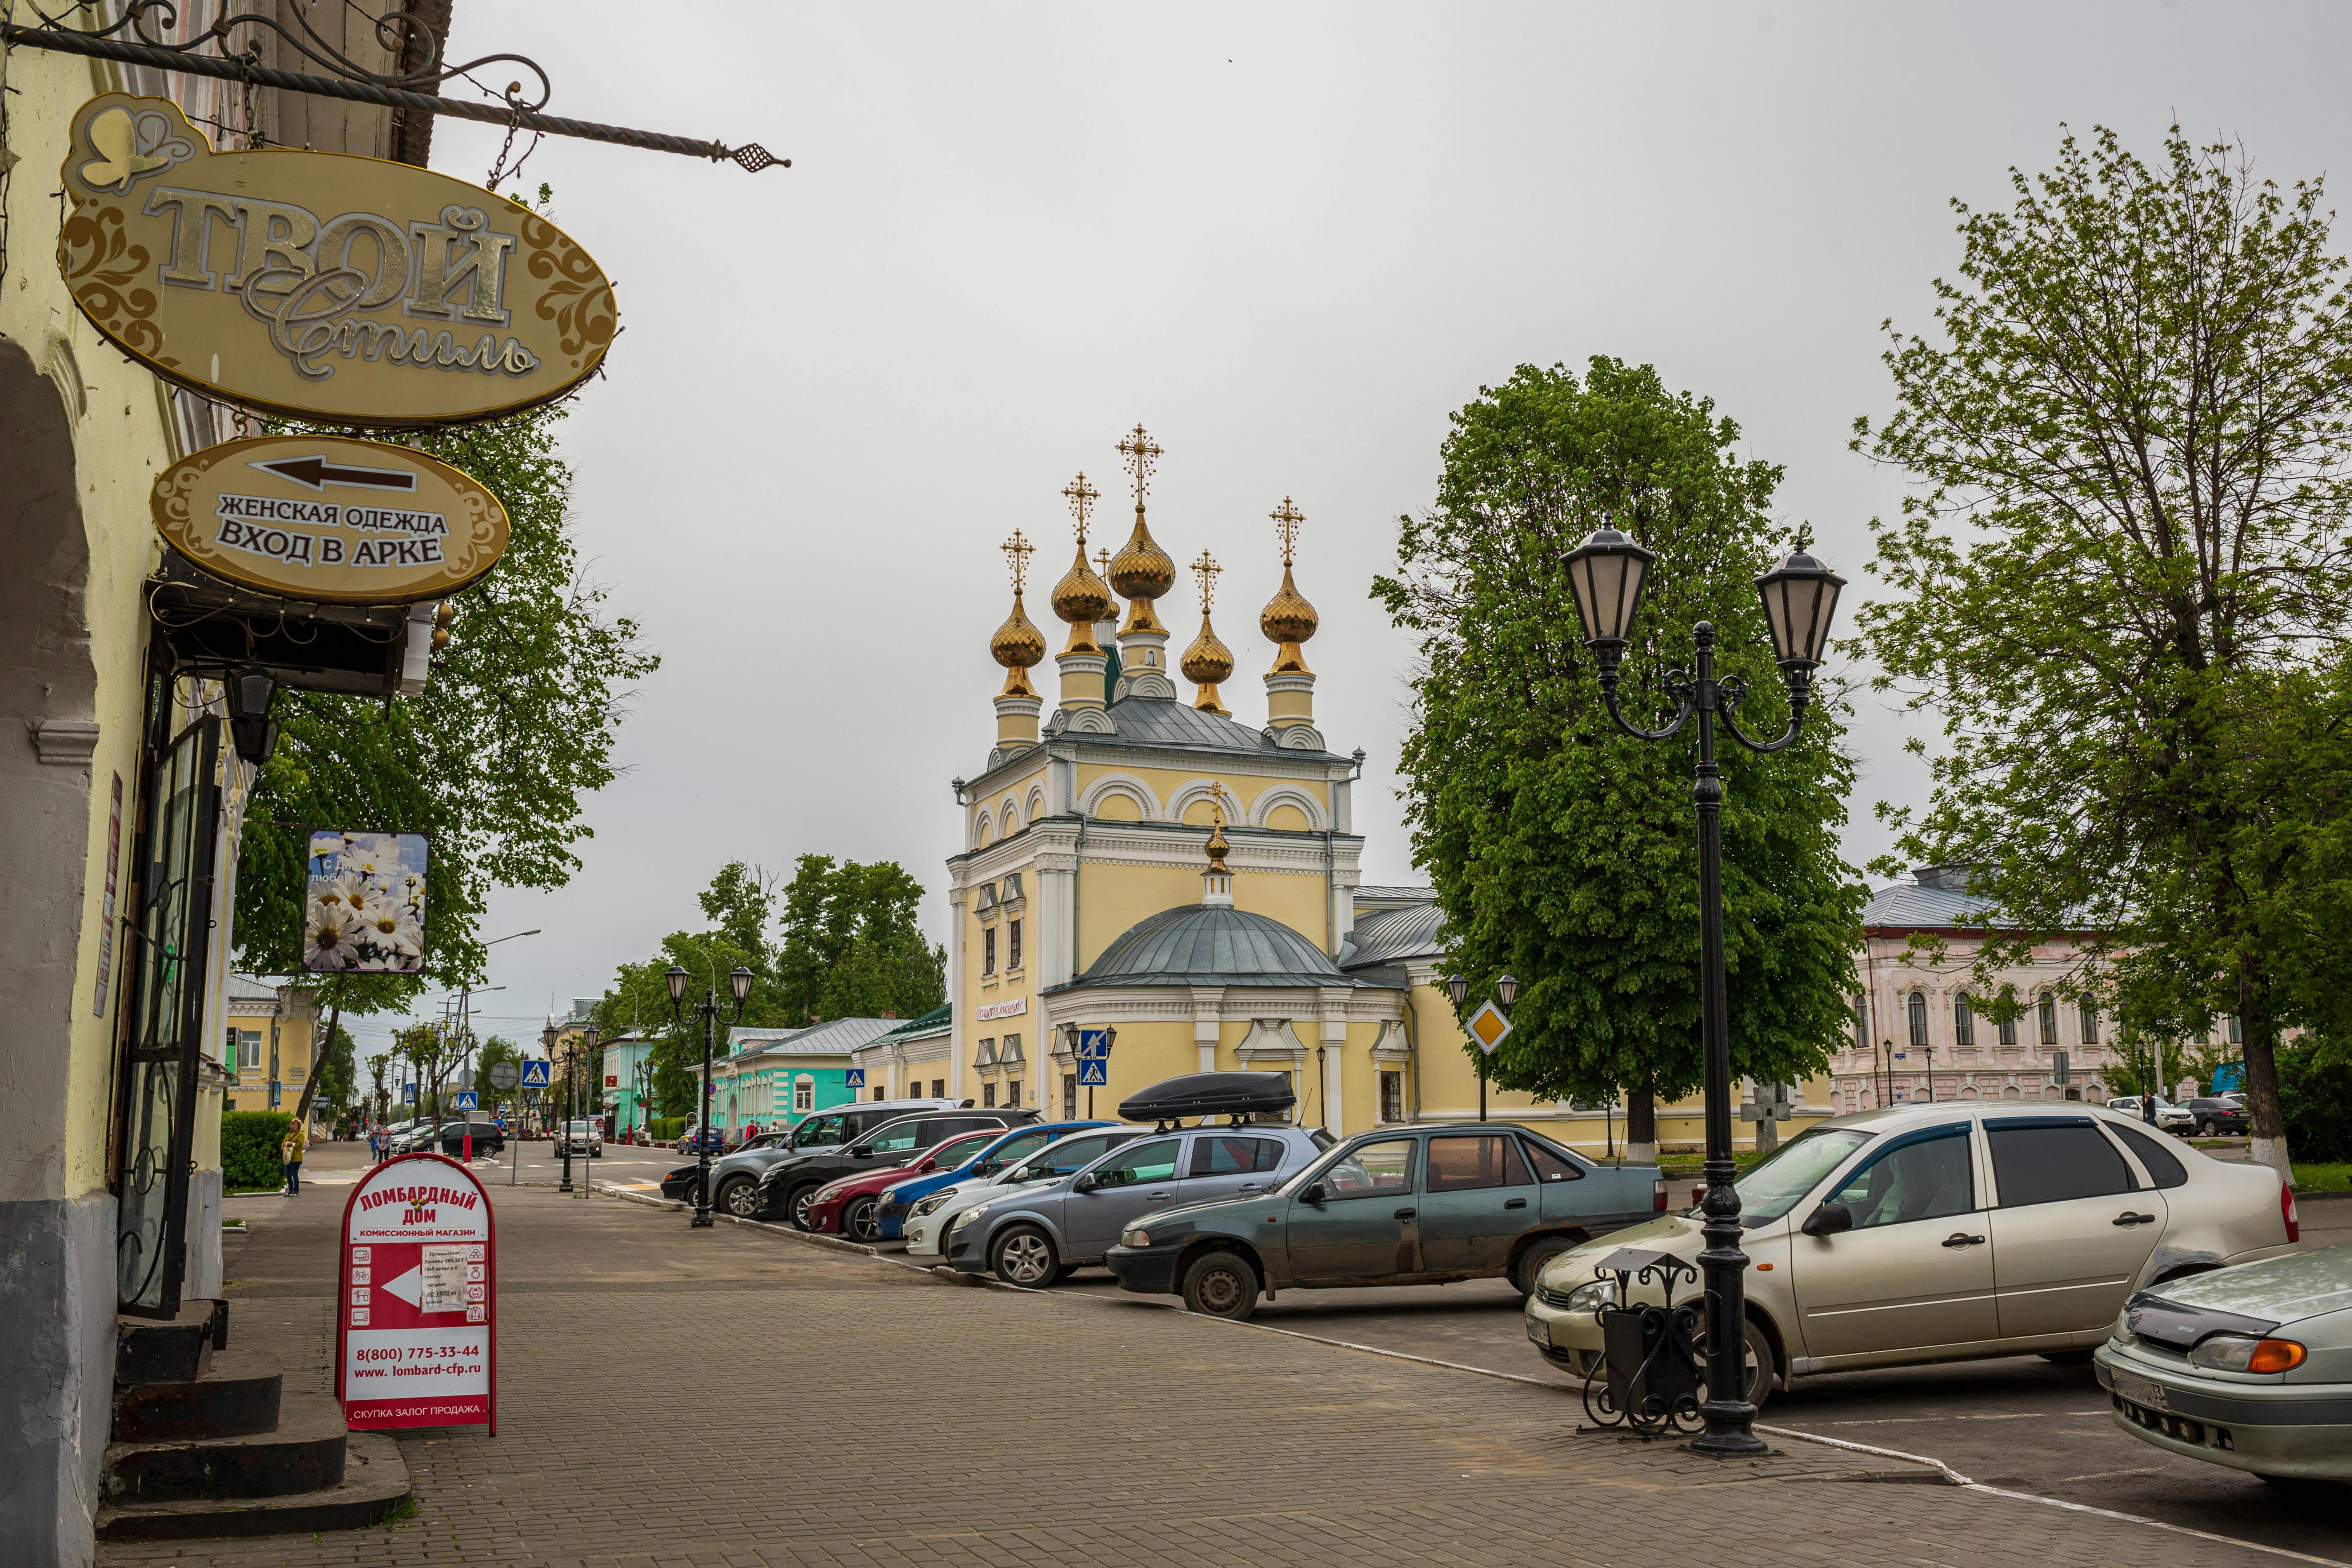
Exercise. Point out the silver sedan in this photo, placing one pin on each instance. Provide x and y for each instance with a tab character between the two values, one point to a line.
2248	1367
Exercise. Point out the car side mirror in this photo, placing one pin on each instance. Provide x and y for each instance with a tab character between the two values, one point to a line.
861	1153
987	1167
1085	1183
1313	1194
1829	1219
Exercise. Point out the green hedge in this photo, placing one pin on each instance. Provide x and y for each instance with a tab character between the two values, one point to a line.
667	1128
251	1155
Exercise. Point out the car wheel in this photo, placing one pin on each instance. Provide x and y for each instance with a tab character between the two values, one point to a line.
1531	1262
1024	1256
860	1222
797	1205
2205	1127
1221	1285
740	1196
1760	1365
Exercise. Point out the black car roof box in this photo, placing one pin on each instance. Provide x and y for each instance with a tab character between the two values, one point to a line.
1211	1094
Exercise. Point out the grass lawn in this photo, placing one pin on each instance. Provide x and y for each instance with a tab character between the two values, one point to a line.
2322	1178
1695	1165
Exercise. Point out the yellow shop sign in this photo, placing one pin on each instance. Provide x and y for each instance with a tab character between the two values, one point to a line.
330	519
344	288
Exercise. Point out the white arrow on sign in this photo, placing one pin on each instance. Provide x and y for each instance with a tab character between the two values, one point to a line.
409	1287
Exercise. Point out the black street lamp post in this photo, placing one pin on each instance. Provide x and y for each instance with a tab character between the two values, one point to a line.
1800	596
738	980
1506	991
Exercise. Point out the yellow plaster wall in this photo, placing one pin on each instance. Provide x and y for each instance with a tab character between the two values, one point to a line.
1116	897
1165	782
123	434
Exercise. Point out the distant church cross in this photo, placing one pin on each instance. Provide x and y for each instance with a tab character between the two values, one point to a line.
1017	550
1081	495
1206	570
1102	563
1286	519
1140	451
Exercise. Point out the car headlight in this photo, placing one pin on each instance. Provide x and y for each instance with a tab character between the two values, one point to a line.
1592	1295
964	1219
935	1203
1135	1238
2243	1353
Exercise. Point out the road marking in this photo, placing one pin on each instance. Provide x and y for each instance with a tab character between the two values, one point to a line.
2104	1475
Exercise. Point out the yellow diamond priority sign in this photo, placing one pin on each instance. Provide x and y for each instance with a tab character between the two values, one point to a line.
1488	1027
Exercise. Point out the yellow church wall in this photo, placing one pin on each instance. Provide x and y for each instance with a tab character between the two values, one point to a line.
1114	897
1166	782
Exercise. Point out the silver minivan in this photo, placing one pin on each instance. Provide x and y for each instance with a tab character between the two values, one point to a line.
1041	1234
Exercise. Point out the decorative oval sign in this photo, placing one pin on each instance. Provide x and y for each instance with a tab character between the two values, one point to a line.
330	519
318	284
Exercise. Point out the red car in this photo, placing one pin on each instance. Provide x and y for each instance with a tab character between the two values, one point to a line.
846	1207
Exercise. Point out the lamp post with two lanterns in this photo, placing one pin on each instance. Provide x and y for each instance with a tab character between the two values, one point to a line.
1506	991
1800	596
738	980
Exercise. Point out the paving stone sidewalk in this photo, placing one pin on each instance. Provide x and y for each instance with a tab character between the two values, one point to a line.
729	1397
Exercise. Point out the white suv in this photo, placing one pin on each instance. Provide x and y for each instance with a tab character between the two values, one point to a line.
2169	1117
580	1138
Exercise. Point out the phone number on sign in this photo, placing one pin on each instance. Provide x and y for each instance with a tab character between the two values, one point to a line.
415	1353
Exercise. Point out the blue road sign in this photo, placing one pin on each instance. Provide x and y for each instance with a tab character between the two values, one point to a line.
534	1075
407	1094
465	1101
1093	1045
1093	1070
854	1078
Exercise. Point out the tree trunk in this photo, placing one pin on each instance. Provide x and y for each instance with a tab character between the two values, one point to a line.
2262	1110
318	1049
1641	1124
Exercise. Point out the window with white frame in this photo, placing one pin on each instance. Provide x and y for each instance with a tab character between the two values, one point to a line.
804	1096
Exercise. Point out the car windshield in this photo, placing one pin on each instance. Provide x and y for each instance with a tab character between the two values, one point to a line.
817	1129
1771	1187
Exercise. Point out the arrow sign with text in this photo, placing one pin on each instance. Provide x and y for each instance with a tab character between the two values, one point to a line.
534	1075
317	473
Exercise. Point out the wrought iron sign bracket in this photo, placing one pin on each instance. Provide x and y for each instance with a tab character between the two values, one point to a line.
355	82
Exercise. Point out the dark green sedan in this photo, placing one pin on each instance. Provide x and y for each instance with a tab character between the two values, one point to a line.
1422	1207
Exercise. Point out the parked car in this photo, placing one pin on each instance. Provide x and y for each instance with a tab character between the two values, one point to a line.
1041	1233
2169	1117
900	1197
929	1219
697	1136
2248	1367
787	1186
735	1179
847	1206
2218	1116
1946	1232
1384	1208
489	1138
580	1137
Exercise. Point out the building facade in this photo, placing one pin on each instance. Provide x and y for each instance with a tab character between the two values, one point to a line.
773	1077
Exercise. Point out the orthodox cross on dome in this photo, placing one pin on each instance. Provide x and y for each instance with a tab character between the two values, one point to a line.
1017	550
1102	563
1206	570
1286	519
1081	496
1140	452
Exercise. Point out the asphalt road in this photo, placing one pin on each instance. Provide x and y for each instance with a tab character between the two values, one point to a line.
2020	1422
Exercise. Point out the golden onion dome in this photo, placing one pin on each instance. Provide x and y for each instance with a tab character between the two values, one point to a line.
1207	662
1082	598
1142	570
1018	644
1287	617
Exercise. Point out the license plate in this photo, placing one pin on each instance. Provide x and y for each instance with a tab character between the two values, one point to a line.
2143	1392
1538	1332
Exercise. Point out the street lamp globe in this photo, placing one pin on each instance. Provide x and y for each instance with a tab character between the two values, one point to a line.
1457	988
1800	596
1507	989
740	979
677	978
1605	572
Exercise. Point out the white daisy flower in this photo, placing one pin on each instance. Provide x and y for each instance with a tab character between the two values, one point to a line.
330	939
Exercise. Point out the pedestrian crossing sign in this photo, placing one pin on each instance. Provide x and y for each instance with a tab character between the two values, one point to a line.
534	1075
854	1077
1488	1027
1094	1071
468	1100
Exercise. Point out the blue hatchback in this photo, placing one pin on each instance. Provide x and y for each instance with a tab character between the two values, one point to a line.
1017	1145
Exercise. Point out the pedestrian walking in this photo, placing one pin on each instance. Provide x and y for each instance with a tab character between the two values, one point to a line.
376	1143
297	1142
2148	1108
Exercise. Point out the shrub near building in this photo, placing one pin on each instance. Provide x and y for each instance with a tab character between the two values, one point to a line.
252	1149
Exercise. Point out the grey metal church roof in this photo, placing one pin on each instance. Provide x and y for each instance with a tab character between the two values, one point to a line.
1165	721
1416	932
1204	944
1907	904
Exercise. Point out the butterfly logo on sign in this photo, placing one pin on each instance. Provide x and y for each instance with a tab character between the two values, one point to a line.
128	148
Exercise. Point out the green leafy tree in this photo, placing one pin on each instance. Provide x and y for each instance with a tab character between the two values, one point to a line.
2123	582
851	947
493	761
1564	851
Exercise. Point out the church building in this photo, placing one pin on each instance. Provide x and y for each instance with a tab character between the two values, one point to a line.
1152	863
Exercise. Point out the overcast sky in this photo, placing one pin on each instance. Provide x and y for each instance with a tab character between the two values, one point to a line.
1289	239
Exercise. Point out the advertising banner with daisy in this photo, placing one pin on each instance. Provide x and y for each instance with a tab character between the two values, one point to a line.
365	908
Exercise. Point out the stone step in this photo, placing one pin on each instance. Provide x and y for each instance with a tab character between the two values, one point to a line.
237	1397
304	1454
374	1487
169	1349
